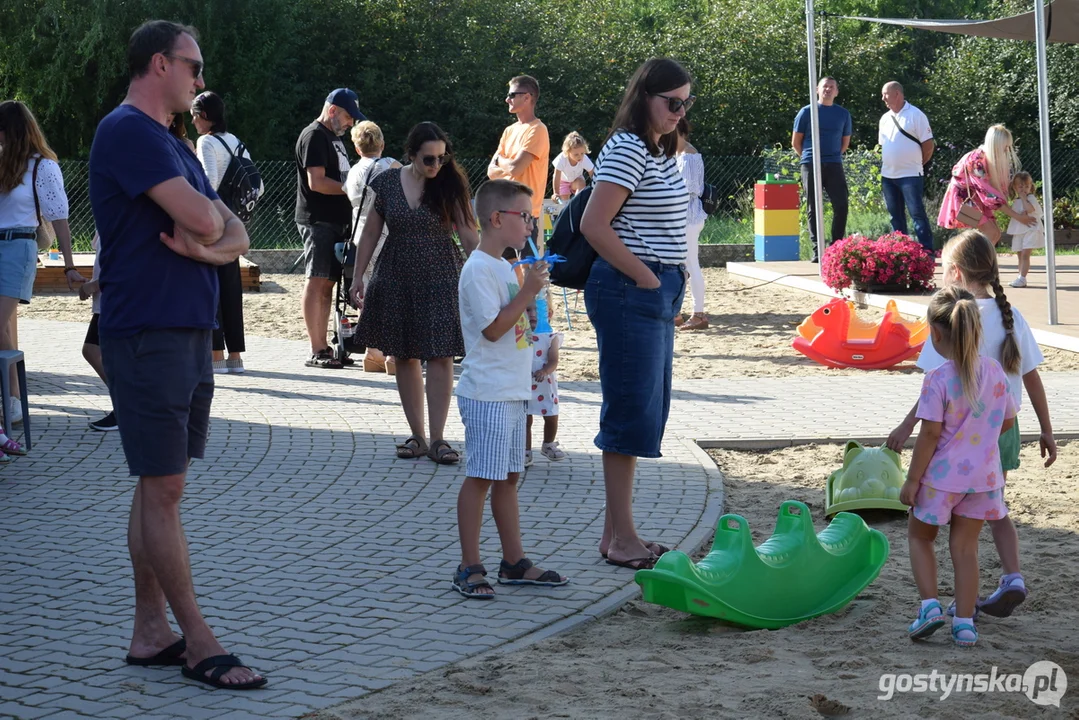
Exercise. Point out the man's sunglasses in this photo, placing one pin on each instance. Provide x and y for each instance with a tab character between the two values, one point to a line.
196	65
511	95
440	160
526	217
675	104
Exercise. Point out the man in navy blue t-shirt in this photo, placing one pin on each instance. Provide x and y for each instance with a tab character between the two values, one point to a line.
835	130
162	230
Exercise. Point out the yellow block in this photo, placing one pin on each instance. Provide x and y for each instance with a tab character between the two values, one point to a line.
776	222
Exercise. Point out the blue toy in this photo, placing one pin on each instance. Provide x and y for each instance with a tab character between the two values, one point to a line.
549	258
543	325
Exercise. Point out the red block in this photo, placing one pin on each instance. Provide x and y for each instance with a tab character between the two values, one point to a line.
776	196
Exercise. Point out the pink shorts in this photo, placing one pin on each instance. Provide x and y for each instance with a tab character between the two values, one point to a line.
936	507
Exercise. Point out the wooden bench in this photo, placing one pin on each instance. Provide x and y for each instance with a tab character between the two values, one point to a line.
50	273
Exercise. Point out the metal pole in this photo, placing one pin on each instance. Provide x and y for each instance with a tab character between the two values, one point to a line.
1047	172
818	191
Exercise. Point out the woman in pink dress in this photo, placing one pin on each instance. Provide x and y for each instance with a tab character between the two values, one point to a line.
981	178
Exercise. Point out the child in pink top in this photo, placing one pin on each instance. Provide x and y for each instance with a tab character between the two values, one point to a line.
955	475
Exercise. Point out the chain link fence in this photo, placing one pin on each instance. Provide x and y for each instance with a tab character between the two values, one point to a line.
273	229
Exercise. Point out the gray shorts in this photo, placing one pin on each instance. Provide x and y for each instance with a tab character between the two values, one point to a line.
318	255
162	384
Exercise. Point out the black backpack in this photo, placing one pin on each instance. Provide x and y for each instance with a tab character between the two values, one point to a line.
242	184
566	240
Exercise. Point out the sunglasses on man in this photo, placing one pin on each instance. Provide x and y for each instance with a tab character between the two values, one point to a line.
440	160
196	65
675	104
515	93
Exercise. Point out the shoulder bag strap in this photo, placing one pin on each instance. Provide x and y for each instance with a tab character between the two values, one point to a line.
905	133
222	141
33	186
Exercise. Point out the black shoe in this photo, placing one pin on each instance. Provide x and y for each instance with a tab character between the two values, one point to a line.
105	424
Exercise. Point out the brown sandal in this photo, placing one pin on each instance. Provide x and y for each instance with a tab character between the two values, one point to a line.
699	321
412	448
439	450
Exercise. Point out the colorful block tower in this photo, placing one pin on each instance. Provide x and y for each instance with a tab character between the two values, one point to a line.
776	221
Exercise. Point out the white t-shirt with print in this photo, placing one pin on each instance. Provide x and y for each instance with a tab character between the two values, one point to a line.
993	346
571	172
499	371
652	222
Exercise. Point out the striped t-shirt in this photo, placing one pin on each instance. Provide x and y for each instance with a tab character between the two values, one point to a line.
652	223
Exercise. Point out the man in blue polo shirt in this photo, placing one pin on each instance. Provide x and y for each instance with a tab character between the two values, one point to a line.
835	130
162	230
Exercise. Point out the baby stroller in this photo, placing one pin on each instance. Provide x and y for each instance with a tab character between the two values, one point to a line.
345	317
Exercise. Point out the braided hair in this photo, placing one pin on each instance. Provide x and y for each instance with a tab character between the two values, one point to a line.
976	258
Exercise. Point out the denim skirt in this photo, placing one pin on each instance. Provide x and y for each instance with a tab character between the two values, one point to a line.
635	337
18	266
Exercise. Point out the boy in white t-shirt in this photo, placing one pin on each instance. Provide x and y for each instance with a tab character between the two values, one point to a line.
493	391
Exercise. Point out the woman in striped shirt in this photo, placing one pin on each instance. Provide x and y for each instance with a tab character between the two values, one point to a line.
636	221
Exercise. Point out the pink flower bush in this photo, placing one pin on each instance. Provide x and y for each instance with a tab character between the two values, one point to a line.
892	259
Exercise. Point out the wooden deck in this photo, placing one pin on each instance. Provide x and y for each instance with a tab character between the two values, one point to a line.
1032	300
50	273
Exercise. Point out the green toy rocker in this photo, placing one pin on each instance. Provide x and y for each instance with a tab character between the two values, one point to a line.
794	576
870	479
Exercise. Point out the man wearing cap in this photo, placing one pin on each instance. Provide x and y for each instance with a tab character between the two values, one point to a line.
323	213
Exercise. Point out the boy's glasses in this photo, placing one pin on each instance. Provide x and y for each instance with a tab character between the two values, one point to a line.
526	217
440	160
675	104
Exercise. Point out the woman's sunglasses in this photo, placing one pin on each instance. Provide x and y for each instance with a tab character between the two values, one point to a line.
675	104
440	160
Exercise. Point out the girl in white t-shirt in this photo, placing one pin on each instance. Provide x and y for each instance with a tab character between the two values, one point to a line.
970	261
1025	238
544	398
570	166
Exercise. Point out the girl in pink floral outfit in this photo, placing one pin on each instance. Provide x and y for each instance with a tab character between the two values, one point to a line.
981	178
955	476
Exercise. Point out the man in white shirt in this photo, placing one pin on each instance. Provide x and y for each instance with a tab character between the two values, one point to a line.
906	142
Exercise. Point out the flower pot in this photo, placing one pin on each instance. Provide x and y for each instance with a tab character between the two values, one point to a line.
889	289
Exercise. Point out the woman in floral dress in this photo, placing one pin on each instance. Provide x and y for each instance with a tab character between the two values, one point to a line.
981	178
410	309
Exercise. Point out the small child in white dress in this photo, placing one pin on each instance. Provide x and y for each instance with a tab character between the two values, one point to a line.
1025	238
544	399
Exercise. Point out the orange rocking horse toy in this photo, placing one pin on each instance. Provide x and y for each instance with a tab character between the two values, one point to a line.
835	336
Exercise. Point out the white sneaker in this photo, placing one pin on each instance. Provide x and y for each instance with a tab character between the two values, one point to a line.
235	366
1019	282
14	413
220	367
551	451
528	458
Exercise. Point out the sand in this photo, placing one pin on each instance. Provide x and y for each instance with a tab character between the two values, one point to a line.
651	662
750	334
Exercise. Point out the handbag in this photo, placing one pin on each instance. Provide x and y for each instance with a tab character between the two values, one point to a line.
46	236
710	199
969	213
927	164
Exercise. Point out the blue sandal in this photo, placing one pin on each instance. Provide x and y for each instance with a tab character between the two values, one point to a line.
515	575
964	627
950	612
1006	598
468	589
929	620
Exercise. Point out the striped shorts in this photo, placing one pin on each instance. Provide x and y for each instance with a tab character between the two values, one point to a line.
494	437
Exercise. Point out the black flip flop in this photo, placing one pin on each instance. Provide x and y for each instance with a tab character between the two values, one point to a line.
168	656
645	563
220	664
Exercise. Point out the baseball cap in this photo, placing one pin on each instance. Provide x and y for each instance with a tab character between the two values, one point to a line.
347	101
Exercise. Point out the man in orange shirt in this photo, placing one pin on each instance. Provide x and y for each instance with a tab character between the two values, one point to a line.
525	148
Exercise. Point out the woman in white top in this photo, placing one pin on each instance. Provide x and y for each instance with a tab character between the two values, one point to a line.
369	142
691	167
214	150
22	150
636	221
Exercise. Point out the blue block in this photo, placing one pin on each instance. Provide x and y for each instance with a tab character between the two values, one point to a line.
772	248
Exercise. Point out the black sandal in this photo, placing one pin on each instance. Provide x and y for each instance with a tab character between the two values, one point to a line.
324	359
468	589
172	655
439	450
515	575
219	665
412	448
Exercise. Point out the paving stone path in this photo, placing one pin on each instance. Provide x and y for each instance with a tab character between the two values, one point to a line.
322	559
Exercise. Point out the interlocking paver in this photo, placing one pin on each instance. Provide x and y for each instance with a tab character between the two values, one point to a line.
338	554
